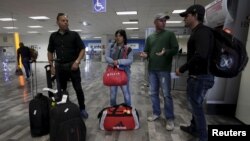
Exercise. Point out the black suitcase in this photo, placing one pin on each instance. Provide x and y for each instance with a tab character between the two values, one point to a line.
39	108
39	115
66	123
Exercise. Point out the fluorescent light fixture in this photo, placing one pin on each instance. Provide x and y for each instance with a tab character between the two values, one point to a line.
134	37
134	22
174	22
52	31
32	32
132	28
77	30
39	18
10	27
178	11
97	37
35	26
127	13
7	19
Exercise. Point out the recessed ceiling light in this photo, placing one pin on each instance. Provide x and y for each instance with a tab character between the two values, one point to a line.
173	22
35	26
7	19
127	13
135	22
132	28
97	37
39	18
178	11
10	27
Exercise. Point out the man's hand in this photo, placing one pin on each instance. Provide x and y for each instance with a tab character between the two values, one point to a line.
143	54
161	53
75	66
52	69
177	71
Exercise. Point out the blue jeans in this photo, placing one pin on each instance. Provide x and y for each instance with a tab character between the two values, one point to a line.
126	93
197	87
161	79
26	65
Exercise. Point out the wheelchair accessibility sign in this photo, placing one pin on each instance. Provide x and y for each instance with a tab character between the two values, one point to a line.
99	6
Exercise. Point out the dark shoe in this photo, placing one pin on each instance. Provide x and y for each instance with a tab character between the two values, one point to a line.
189	130
84	114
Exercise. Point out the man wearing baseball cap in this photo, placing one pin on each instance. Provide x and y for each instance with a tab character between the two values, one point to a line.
199	81
160	48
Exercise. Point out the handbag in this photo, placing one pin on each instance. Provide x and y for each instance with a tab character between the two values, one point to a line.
118	117
18	71
114	77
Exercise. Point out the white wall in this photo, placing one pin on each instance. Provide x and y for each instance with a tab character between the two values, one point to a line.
243	104
41	41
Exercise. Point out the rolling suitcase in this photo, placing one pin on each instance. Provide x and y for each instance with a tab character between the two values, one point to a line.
39	108
66	123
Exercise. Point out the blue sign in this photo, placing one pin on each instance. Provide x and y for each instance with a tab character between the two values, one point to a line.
99	6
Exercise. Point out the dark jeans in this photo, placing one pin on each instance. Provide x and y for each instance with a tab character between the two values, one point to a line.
63	74
197	87
26	65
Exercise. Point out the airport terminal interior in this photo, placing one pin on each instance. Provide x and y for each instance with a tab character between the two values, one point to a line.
227	103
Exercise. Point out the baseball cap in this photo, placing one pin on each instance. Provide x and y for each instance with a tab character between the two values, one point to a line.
162	16
199	9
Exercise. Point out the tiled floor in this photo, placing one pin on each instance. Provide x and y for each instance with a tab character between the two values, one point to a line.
15	95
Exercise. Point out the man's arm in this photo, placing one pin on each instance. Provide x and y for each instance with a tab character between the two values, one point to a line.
77	62
80	56
50	58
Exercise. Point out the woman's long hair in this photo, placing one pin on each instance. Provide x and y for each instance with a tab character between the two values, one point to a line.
123	34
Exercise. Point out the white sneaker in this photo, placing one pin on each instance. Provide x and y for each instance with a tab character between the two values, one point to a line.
153	117
170	125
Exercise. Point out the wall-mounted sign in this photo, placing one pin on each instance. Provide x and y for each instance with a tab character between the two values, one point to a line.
133	45
99	6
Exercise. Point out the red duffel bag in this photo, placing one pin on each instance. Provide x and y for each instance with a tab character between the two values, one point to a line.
119	117
114	77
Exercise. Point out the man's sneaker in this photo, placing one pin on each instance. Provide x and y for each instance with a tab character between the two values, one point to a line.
153	117
170	125
189	130
84	114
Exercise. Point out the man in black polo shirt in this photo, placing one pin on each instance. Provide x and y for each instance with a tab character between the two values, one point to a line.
69	50
199	81
24	52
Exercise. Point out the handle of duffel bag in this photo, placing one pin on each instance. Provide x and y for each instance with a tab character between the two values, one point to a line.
117	106
114	111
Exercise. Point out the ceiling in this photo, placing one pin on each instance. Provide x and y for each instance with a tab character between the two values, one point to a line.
81	10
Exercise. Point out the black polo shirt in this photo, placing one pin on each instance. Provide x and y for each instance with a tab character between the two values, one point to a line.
199	49
67	46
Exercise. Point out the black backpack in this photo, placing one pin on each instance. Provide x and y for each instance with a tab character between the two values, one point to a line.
229	56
